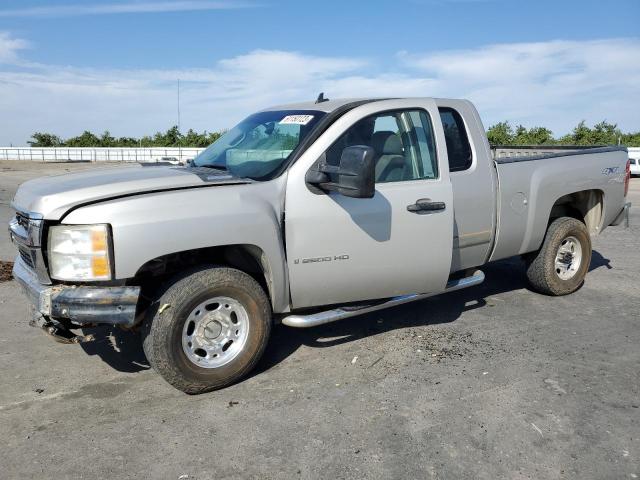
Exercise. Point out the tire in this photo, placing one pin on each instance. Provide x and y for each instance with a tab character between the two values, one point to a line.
553	271
196	307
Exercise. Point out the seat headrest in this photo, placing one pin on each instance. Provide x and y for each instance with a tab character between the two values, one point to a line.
387	143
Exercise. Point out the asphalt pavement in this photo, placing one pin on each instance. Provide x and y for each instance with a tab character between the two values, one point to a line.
491	382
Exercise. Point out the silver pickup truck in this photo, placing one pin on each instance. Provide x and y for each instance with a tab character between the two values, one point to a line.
303	214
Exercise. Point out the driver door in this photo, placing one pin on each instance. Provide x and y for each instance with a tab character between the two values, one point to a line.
342	249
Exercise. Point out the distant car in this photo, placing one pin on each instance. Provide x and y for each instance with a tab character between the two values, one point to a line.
635	166
172	160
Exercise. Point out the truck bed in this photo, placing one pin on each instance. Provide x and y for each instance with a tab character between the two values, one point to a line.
513	153
535	183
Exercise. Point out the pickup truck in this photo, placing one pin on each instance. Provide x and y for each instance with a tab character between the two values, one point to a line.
303	214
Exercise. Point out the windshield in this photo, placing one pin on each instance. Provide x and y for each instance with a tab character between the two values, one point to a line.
259	145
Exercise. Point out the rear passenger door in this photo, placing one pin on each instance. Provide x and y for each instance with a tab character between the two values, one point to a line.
342	249
473	181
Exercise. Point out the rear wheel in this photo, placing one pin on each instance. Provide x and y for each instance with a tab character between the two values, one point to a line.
209	329
560	266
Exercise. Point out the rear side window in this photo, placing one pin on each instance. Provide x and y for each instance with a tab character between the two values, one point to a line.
455	134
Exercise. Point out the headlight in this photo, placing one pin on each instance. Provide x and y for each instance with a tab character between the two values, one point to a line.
79	252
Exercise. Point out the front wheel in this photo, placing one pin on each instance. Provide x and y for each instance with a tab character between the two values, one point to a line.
560	266
209	329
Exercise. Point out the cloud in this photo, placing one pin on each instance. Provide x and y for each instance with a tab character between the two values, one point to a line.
555	84
121	7
10	46
67	100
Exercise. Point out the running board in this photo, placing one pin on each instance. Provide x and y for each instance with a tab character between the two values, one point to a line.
328	316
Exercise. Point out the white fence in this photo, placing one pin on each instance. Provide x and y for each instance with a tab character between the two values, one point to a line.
89	154
160	154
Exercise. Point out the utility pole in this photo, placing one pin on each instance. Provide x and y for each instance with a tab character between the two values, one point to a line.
179	147
178	104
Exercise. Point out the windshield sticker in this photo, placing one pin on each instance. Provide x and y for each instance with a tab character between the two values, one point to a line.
296	119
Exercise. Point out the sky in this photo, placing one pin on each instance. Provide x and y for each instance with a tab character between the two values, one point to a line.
69	66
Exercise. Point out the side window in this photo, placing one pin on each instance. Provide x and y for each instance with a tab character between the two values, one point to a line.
403	142
455	134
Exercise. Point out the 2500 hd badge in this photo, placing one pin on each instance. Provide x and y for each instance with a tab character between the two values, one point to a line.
320	259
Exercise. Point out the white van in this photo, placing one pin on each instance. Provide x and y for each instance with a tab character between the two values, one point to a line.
634	159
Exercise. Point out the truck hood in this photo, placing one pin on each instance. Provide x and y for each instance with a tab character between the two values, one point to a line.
53	196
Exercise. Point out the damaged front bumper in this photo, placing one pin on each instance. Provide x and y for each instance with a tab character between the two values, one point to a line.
80	305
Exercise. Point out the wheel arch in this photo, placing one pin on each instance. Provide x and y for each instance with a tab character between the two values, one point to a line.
585	205
248	258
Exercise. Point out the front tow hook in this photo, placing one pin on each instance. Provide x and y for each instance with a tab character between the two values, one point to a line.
58	332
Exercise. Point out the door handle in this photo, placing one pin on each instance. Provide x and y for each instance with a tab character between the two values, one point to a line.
425	205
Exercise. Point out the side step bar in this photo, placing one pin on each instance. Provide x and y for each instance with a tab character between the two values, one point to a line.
328	316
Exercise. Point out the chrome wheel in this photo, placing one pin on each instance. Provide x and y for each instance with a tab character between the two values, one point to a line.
215	332
568	258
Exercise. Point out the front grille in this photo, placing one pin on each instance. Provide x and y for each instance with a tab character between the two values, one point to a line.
26	233
22	220
26	257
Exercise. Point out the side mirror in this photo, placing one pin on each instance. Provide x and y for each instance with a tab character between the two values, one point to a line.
353	178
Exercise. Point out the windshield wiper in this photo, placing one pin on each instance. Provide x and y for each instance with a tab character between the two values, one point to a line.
223	168
215	167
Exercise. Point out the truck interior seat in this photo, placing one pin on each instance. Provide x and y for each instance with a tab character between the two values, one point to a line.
391	164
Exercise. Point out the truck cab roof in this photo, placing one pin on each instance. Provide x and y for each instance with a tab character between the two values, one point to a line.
328	106
324	106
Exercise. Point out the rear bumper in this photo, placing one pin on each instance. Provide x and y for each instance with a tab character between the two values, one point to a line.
81	305
623	216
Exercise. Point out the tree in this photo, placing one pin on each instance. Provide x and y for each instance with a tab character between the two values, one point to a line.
631	139
127	142
171	138
500	134
195	139
45	140
606	133
602	133
106	140
503	134
532	136
87	139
